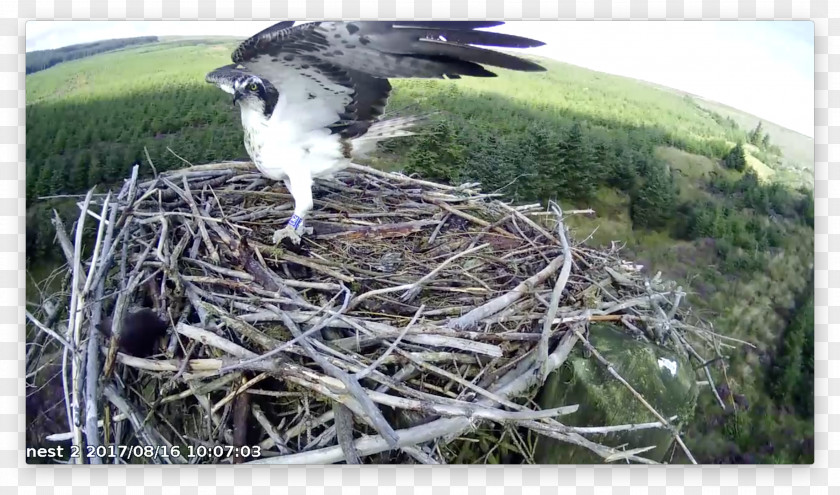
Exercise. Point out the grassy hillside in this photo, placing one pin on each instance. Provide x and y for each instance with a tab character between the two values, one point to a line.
44	59
797	164
648	161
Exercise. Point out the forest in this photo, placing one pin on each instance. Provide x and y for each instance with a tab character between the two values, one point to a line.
44	59
682	186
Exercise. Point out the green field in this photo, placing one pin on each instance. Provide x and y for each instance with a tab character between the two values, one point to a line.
648	160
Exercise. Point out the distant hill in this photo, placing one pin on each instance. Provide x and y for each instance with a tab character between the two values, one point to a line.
797	164
44	59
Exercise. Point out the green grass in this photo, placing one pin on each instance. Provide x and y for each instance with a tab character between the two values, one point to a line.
503	131
763	171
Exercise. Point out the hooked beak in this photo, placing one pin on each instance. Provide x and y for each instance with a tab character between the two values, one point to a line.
236	97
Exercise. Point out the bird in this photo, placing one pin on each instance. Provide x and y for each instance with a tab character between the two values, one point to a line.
140	332
312	96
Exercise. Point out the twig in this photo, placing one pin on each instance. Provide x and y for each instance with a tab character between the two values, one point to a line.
74	329
92	354
559	286
381	359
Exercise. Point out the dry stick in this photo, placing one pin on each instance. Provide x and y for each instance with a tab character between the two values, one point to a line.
468	409
420	456
204	388
283	255
636	394
187	196
241	389
603	430
412	289
273	435
344	432
63	437
296	338
63	240
437	229
415	288
373	414
92	365
74	334
475	388
148	435
406	180
702	331
50	332
705	363
473	219
559	286
517	381
528	221
241	408
213	340
236	350
498	304
381	359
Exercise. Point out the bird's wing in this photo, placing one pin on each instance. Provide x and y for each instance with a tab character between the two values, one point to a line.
347	64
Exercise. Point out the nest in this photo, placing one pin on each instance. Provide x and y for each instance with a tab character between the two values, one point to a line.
411	314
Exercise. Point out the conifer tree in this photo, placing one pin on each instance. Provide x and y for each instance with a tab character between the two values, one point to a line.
577	180
653	203
757	134
94	176
765	142
736	159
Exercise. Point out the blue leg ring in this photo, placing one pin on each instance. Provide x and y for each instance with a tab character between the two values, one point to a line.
295	221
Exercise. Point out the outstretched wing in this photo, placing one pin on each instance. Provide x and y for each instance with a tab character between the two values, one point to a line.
348	64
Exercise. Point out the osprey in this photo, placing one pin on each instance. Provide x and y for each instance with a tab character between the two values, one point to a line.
311	96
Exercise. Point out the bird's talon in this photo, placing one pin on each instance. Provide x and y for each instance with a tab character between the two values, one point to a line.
286	232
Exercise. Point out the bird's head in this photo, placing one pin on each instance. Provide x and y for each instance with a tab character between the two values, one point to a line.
255	93
251	92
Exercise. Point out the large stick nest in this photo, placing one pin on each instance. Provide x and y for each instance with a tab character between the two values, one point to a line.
413	313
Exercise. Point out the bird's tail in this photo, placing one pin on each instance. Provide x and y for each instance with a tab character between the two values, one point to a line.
386	129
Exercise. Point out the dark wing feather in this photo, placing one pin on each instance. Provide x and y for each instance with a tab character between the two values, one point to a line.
348	63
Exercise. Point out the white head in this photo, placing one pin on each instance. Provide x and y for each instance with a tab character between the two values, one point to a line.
250	91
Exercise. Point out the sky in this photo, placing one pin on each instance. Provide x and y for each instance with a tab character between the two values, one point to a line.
765	68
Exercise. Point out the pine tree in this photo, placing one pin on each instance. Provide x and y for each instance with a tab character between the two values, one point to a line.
437	155
60	141
765	142
547	164
736	159
604	159
56	170
653	203
577	180
78	176
756	135
94	176
622	175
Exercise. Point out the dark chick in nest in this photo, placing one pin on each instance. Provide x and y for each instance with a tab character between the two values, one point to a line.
140	332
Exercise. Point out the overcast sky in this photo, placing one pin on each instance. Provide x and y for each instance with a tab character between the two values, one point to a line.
765	68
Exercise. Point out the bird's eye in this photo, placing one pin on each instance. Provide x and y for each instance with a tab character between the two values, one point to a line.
253	87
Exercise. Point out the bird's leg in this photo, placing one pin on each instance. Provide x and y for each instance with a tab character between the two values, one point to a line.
301	191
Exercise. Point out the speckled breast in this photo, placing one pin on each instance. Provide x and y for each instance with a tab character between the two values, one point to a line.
252	145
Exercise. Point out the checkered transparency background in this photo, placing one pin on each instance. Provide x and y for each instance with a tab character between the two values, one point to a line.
16	475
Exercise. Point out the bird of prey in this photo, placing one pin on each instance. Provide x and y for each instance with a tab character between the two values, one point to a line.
312	95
